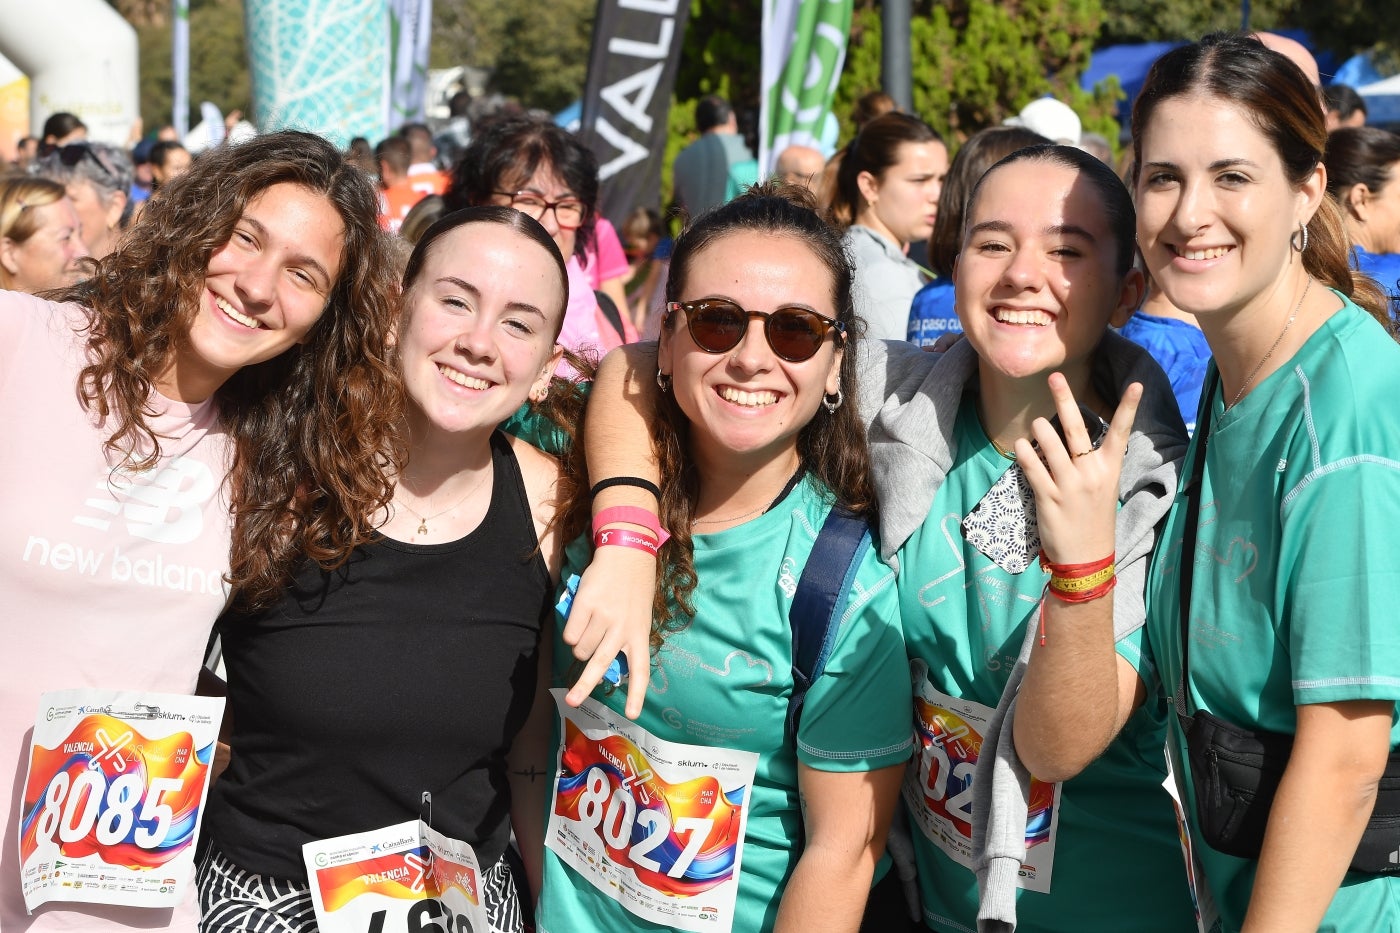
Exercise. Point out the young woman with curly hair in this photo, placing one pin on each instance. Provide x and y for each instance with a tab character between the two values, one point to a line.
214	401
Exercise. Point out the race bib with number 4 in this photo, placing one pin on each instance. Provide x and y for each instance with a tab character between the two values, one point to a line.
658	826
938	782
113	797
405	878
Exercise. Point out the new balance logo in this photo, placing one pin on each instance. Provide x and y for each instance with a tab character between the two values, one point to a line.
165	506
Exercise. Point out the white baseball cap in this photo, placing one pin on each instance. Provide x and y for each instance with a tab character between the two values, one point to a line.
1051	119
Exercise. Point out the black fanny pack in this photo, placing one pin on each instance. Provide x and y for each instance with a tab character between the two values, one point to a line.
1236	773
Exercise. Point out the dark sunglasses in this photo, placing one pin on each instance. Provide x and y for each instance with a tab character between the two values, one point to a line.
73	153
794	334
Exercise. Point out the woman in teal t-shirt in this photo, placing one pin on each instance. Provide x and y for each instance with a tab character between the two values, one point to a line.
707	814
1291	587
1000	656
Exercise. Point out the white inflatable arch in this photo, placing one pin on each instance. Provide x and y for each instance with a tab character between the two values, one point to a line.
80	56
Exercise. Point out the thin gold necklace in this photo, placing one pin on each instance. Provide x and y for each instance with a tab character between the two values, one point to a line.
732	518
423	520
1277	340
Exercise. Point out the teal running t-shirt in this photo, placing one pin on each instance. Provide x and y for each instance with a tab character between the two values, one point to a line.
1103	848
718	705
1296	579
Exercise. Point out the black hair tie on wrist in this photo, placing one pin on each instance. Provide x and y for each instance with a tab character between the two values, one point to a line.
637	481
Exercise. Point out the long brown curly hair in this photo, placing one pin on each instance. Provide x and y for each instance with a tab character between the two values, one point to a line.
832	446
316	430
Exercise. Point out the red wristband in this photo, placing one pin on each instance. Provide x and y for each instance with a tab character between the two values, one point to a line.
622	537
1077	583
632	515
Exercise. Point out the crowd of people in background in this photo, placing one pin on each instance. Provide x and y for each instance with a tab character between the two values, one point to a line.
1104	428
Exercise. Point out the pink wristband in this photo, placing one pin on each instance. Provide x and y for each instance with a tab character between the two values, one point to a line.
621	537
632	515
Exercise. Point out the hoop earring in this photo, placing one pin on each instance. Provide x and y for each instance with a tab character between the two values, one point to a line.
1294	241
833	402
663	382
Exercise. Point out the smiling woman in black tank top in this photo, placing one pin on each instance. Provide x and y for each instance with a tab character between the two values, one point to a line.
400	684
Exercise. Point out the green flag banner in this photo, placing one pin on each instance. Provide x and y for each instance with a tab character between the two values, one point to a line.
804	47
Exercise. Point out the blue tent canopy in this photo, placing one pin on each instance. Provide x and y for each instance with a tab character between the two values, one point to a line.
1131	63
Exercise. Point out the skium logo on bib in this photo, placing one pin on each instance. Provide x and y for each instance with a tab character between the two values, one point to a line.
164	507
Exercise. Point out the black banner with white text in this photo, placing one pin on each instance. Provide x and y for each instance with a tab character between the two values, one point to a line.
631	72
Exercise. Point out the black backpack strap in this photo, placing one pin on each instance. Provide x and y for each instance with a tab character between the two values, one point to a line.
610	311
821	596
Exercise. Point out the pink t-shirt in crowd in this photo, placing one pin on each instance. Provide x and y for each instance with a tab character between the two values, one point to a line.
606	257
110	579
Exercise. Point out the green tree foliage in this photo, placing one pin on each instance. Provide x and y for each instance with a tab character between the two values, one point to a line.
538	54
1341	26
1171	20
467	32
976	62
218	62
543	57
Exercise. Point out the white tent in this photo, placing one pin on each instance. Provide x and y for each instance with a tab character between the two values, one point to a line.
1382	101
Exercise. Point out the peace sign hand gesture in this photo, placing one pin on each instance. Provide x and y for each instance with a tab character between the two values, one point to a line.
1076	486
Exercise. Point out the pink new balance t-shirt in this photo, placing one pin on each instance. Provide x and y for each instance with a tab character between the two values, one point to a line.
107	579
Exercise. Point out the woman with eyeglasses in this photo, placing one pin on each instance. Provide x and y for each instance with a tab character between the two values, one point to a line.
98	179
712	807
41	235
545	172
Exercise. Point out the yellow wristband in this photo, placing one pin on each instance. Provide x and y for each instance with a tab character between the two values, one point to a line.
1074	585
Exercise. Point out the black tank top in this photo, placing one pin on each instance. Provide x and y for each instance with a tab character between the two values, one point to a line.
408	670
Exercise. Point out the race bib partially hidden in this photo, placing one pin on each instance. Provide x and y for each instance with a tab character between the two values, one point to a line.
1207	914
113	797
658	826
404	878
938	783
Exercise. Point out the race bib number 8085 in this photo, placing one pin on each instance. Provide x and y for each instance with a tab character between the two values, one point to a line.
113	796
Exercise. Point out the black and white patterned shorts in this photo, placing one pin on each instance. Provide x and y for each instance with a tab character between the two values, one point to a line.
232	900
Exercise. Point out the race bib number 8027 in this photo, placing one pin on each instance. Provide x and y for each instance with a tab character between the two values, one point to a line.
656	825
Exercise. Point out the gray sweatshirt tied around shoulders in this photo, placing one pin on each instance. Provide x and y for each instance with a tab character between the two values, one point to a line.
909	399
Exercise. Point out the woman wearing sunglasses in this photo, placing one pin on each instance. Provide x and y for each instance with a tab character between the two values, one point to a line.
708	791
1011	571
98	178
546	173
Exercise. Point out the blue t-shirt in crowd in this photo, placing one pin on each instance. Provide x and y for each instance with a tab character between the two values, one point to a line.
1385	269
1180	349
932	314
